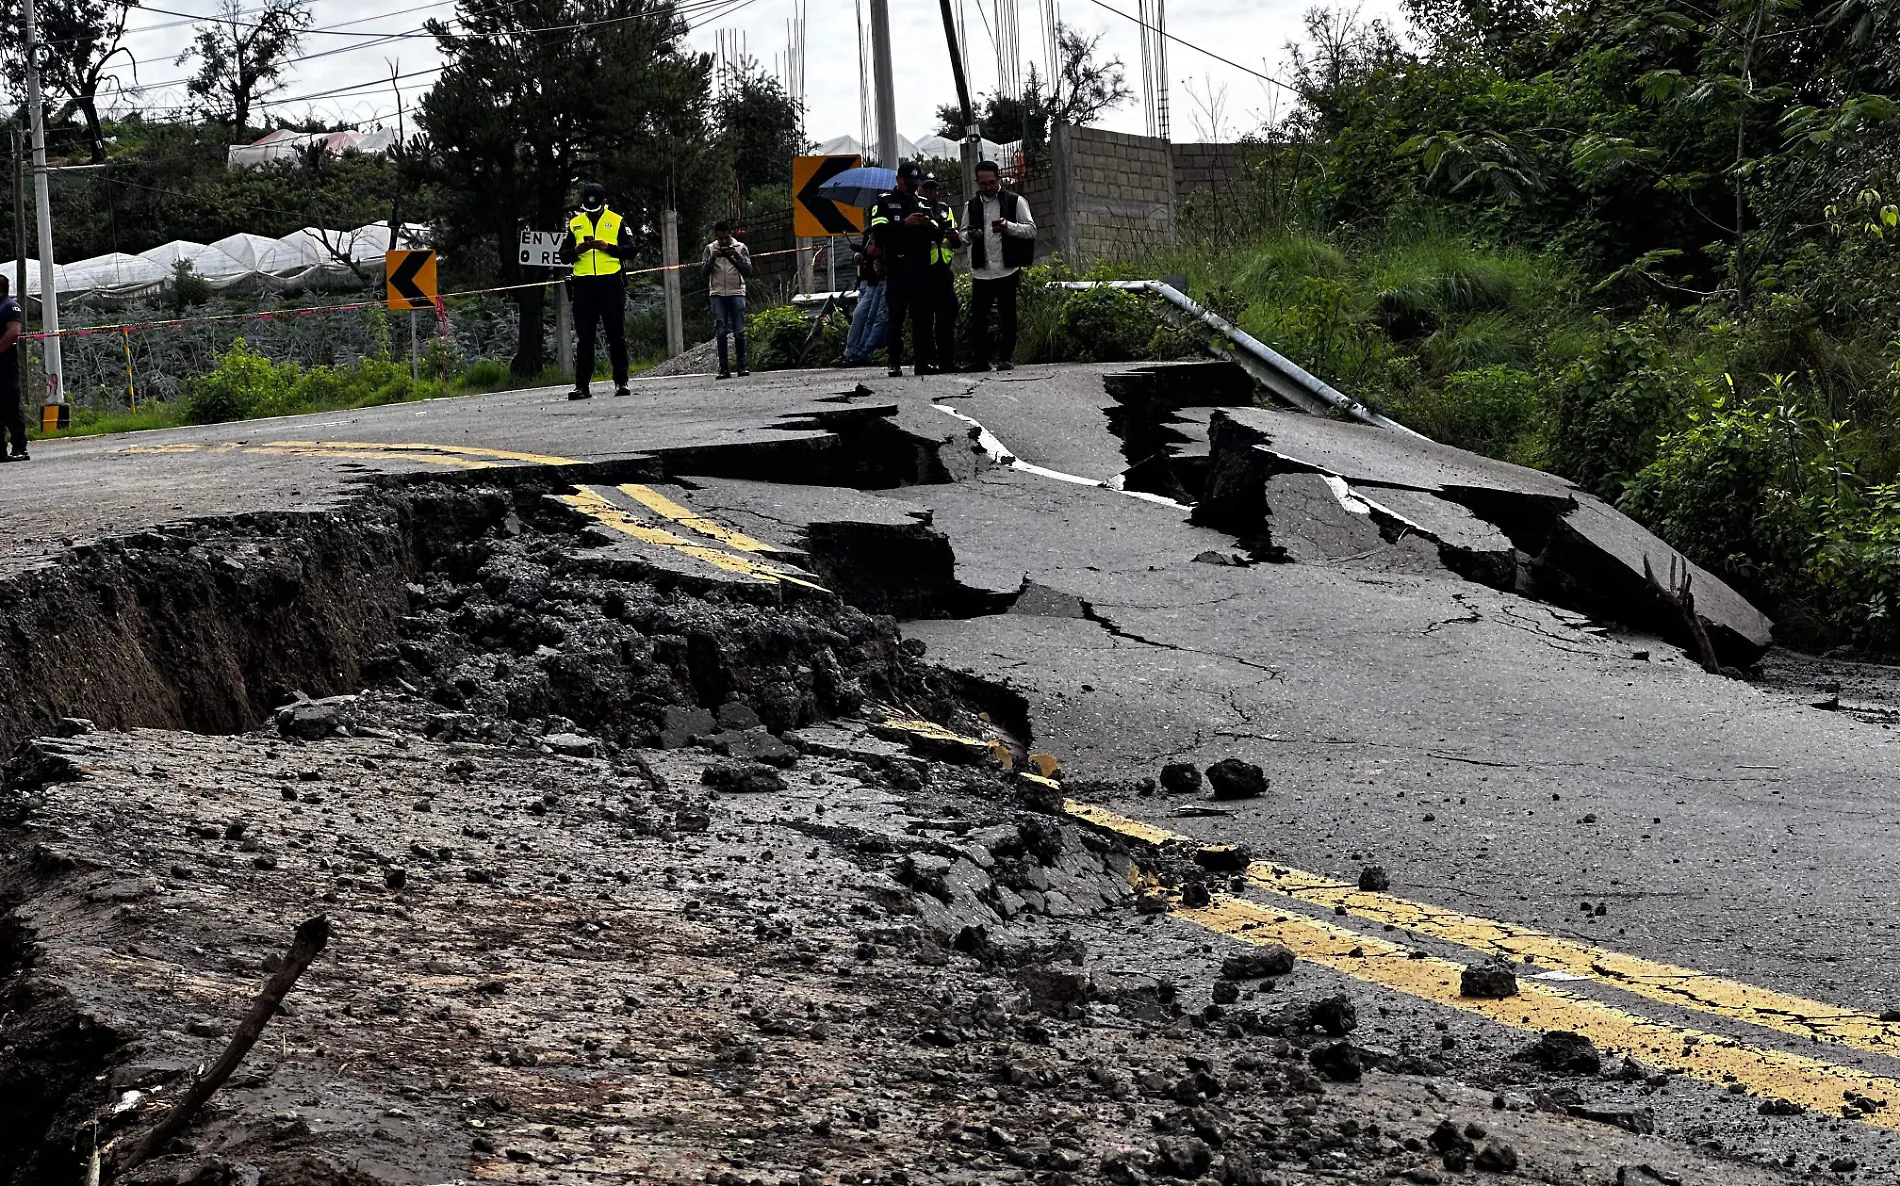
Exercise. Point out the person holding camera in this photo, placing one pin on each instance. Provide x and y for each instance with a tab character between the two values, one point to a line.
728	265
1002	235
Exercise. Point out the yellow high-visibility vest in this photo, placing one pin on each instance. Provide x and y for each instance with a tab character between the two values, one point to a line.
943	252
606	228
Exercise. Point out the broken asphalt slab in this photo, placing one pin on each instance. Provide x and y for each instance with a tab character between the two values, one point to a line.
1579	551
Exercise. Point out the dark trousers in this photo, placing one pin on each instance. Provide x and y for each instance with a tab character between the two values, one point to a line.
12	414
1000	295
907	294
943	310
603	299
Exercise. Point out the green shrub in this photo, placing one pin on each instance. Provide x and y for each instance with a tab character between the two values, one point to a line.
487	374
1488	410
777	338
1104	325
1613	404
243	385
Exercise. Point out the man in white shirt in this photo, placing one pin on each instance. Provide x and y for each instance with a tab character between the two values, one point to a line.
1002	235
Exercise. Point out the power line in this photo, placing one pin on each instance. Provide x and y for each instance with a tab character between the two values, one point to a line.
1196	48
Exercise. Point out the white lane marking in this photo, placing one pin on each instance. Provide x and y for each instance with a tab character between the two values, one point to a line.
999	453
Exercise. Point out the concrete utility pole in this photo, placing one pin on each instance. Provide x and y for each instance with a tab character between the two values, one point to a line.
670	282
884	82
972	134
19	230
43	211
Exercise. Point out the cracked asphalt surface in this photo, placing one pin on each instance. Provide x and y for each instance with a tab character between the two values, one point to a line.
1496	754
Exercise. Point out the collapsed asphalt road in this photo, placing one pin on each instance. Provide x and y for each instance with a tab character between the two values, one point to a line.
1445	668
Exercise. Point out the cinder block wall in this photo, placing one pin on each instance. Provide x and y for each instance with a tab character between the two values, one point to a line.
1206	166
1113	194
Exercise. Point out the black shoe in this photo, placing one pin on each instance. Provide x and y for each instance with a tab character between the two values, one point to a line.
20	456
580	393
924	369
622	390
743	372
897	372
1006	365
723	375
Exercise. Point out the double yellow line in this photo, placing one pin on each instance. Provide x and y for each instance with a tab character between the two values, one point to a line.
739	554
1763	1071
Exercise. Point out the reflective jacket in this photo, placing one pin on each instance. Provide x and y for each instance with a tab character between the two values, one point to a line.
605	226
943	252
899	242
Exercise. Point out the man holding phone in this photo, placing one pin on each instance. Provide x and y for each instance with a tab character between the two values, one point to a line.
727	265
597	240
1002	235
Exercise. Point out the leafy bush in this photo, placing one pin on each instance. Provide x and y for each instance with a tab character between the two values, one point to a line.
1104	325
1612	405
244	384
1489	410
776	339
486	373
1762	493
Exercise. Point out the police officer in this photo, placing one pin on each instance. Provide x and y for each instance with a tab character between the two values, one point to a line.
597	240
943	276
905	231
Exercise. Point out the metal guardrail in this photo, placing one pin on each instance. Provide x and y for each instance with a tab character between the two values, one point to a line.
1271	369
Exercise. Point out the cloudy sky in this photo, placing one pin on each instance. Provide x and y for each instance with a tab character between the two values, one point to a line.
345	68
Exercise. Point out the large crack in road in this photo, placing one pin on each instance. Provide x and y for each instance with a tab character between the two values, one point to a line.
658	849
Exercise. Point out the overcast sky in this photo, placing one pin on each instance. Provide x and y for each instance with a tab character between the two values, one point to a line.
1251	34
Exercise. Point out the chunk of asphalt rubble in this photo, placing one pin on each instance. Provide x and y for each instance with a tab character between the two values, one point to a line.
1373	879
679	724
1180	778
572	745
742	778
1496	1157
1564	1053
1231	778
1339	1061
755	745
1224	858
1274	959
1488	981
1337	1015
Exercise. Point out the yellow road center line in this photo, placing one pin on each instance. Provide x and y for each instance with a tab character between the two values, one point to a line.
659	503
463	450
1658	981
1806	1081
368	455
612	516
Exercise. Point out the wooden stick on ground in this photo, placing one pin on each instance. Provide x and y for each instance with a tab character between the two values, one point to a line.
313	935
1684	601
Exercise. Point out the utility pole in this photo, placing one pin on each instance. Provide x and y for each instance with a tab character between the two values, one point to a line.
670	282
43	211
971	132
884	82
19	226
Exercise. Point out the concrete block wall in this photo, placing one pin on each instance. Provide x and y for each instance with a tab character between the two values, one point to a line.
1206	166
1113	194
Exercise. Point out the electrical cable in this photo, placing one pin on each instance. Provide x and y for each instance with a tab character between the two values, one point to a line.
1197	49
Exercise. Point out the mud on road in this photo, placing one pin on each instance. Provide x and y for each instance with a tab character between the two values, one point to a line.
644	866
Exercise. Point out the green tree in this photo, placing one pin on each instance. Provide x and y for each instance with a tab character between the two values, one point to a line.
241	54
83	39
539	94
760	127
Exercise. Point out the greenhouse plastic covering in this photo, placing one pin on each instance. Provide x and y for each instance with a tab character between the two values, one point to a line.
311	258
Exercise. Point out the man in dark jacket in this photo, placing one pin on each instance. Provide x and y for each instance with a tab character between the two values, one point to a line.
1002	236
905	232
598	239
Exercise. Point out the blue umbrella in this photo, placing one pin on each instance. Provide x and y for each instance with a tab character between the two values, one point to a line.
858	187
